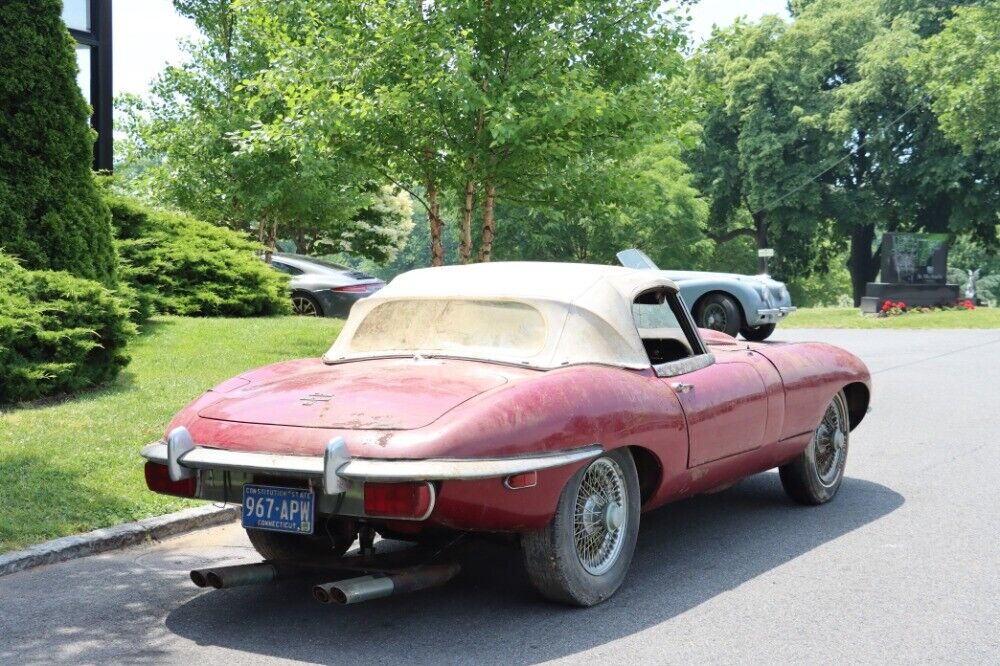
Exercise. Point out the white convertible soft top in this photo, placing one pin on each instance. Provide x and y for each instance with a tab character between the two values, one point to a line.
557	315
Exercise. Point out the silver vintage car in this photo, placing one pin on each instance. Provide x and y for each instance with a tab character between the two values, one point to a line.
750	305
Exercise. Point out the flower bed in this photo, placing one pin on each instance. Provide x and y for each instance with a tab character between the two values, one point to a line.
897	308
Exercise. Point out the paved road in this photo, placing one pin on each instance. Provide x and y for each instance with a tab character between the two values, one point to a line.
903	567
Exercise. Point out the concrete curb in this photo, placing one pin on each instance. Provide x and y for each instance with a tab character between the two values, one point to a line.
118	536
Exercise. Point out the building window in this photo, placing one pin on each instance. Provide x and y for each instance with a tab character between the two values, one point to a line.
83	59
76	14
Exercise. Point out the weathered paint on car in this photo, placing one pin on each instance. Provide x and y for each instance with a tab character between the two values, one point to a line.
753	409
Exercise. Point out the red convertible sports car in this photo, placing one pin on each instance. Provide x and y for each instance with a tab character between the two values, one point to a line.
556	402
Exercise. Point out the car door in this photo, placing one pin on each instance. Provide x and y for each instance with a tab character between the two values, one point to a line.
725	405
723	395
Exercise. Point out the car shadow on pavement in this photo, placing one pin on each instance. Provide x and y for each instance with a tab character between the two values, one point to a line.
688	553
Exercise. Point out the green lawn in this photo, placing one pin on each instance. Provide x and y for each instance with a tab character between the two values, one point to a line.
852	318
73	465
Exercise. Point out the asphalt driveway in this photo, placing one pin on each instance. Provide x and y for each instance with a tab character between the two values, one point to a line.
903	567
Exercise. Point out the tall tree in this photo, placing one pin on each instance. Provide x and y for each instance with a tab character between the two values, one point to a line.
51	215
819	122
188	148
893	168
754	144
478	103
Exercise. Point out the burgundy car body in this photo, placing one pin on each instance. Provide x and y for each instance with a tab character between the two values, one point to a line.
756	407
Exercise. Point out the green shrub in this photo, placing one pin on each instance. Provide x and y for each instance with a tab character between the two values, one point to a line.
821	289
177	264
58	333
988	288
51	214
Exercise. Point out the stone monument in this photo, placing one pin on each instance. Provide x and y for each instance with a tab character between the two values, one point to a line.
914	271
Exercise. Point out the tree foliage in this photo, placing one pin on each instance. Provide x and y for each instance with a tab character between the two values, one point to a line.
646	201
51	215
560	131
187	148
816	129
755	144
961	65
472	103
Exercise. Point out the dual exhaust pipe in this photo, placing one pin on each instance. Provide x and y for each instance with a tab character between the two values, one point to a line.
245	574
377	586
349	591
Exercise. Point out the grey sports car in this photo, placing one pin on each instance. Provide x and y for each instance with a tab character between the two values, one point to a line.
322	288
750	305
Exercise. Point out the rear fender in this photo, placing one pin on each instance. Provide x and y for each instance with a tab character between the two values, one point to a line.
813	373
556	410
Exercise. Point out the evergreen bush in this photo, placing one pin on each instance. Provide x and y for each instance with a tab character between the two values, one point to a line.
51	214
58	333
177	264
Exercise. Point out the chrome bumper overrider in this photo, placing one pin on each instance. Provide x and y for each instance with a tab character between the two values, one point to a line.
336	468
771	315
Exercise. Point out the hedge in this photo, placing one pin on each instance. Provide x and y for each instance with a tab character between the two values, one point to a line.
58	333
177	264
51	214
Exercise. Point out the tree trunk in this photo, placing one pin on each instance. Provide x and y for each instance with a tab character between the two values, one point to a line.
486	243
863	263
299	238
465	248
434	217
760	221
262	236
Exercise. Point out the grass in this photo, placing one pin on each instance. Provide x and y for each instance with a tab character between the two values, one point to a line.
852	318
72	465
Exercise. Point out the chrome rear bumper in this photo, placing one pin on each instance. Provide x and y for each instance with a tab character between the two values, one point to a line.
336	467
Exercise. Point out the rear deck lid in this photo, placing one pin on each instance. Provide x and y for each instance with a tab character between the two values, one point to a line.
375	394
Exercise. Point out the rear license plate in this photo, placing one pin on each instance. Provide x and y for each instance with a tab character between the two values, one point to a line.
278	509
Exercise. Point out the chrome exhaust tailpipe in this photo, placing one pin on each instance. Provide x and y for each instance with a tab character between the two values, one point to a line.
243	574
376	586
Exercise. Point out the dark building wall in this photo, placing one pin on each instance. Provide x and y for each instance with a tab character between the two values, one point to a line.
89	21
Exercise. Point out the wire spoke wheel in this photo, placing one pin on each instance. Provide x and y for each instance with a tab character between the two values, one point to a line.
715	317
303	305
830	442
582	555
600	516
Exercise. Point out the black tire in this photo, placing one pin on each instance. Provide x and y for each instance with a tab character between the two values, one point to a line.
757	333
812	478
550	555
330	542
306	305
719	312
